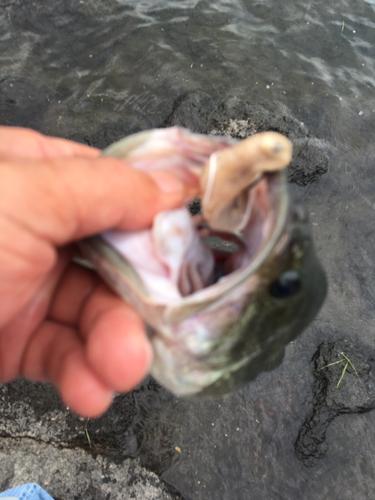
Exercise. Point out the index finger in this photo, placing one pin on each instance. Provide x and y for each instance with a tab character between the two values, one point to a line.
22	144
62	200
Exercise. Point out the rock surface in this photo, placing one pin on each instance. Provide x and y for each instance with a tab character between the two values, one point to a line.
290	434
344	384
234	118
74	473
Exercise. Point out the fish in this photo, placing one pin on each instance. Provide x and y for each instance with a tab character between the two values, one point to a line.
221	293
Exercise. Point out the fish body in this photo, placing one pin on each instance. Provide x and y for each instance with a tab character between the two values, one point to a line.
215	318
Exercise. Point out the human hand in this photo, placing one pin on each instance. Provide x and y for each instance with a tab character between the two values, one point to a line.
59	322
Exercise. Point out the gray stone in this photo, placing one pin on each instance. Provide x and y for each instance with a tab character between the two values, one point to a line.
291	433
234	118
75	473
344	384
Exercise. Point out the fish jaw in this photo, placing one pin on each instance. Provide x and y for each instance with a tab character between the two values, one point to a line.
211	342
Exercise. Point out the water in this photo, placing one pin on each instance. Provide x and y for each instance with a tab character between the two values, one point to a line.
91	62
97	70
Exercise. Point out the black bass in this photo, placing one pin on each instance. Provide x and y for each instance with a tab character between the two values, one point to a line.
222	292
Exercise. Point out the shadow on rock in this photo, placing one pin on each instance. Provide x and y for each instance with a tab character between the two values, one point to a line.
337	391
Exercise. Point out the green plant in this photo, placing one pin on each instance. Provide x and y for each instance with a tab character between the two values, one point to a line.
87	433
348	362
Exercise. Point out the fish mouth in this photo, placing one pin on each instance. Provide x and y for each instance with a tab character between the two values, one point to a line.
266	212
244	203
239	255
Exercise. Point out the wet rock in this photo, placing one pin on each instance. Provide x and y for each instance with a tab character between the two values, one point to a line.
203	114
72	474
71	457
23	104
106	134
309	162
344	383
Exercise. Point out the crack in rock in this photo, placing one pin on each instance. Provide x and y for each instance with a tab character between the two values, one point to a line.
330	401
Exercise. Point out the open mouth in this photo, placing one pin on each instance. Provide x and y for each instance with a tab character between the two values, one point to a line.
181	257
241	189
233	251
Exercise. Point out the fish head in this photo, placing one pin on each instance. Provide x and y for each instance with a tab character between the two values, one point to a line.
216	317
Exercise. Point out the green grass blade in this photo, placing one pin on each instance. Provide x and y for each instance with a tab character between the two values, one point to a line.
88	438
87	433
331	364
343	373
351	364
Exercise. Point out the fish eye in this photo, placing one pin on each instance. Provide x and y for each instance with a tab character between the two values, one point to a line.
286	285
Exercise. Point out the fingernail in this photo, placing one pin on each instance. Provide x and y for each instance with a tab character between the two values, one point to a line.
167	182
